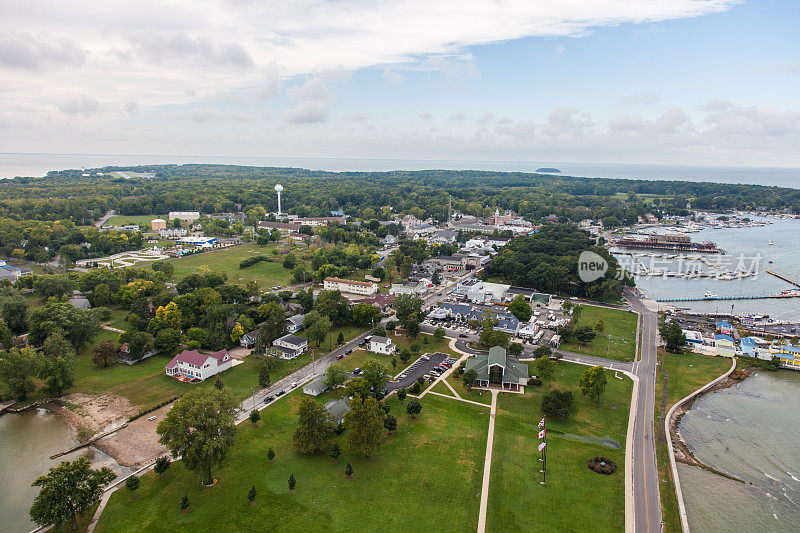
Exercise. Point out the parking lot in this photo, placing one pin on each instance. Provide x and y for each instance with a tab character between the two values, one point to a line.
420	367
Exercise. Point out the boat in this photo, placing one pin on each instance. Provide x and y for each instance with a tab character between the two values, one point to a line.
709	295
770	243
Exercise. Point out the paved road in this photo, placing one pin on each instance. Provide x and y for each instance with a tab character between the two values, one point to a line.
99	224
646	499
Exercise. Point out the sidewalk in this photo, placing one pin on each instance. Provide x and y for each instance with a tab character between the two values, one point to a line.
487	466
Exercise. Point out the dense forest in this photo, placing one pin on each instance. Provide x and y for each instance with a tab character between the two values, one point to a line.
369	195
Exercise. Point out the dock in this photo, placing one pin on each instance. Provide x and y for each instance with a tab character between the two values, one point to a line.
784	278
720	298
90	441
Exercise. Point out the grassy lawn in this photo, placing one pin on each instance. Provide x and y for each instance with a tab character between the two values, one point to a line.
359	358
619	324
430	466
117	319
432	345
468	394
349	333
141	220
575	498
684	374
227	260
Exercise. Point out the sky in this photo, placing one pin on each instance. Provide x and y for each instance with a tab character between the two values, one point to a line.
690	82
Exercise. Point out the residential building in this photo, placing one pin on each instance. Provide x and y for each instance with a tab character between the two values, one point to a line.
337	409
320	221
693	337
389	240
498	369
124	355
80	301
725	328
382	345
295	323
191	365
725	345
315	387
158	224
249	339
184	216
365	288
289	346
789	355
172	233
755	347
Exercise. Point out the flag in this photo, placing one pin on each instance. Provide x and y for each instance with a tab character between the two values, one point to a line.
541	423
541	434
542	445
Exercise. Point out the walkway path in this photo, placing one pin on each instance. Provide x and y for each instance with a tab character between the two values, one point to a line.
487	466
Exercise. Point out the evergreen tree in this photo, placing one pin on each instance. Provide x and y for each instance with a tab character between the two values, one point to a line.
184	503
251	495
270	455
335	452
161	466
132	483
292	483
348	470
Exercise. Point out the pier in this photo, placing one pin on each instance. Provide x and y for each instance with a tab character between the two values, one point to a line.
719	298
784	278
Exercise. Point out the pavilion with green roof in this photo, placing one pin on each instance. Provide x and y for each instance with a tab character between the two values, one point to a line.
498	370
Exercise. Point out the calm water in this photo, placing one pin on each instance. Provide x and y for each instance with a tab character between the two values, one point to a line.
750	431
27	441
12	165
748	243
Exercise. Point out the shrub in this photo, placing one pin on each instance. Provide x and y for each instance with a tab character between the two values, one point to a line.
602	465
535	382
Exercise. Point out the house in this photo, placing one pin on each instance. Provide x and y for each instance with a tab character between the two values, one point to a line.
249	339
693	337
755	347
725	345
191	365
158	224
365	288
337	409
788	355
389	240
172	233
80	301
498	369
485	292
124	355
382	345
289	346
507	323
315	387
295	323
726	328
184	216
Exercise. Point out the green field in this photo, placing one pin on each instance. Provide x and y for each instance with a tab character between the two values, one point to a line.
227	260
426	477
467	394
619	324
684	374
575	498
141	220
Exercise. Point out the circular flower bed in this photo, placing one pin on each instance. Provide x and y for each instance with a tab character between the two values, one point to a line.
601	465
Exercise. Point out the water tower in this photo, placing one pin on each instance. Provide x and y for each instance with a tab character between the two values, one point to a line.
278	189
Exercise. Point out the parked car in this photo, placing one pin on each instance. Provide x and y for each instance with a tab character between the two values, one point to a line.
462	335
348	352
280	393
356	371
340	356
269	399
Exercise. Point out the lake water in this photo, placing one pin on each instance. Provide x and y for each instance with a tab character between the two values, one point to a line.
750	431
750	244
27	441
12	165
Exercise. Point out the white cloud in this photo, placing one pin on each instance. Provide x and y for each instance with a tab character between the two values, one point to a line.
641	98
84	106
458	116
424	115
313	102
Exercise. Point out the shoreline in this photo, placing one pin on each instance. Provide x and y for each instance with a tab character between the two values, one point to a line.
683	454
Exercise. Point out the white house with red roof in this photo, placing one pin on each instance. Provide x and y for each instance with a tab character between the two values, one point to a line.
192	365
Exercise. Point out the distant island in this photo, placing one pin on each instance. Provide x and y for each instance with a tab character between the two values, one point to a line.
548	170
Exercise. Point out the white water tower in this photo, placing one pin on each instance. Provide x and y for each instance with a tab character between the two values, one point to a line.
278	189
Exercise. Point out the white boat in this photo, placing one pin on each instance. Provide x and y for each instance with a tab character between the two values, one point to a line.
770	243
709	294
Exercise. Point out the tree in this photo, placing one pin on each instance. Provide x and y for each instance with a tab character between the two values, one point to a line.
414	408
379	330
413	328
673	336
319	330
167	340
58	374
401	395
132	483
390	423
274	321
394	363
468	378
593	383
358	387
314	431
218	383
348	471
520	308
67	491
544	368
270	455
255	416
306	299
292	483
364	314
542	351
17	366
185	503
515	348
405	355
600	326
161	466
335	376
364	423
237	333
200	427
263	374
335	452
376	375
439	333
77	326
139	343
14	311
558	404
289	261
340	339
584	334
251	495
407	307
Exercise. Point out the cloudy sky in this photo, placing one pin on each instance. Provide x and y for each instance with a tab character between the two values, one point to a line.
705	82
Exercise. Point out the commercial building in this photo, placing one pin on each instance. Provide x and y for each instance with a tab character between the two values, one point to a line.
200	242
365	288
497	369
158	224
184	216
725	345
